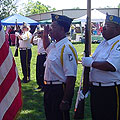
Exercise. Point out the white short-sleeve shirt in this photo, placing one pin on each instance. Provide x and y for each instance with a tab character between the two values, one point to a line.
54	70
40	45
25	42
104	53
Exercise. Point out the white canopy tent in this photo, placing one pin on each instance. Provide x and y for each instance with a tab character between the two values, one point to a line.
96	16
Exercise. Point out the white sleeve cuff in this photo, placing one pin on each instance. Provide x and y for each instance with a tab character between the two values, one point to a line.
112	64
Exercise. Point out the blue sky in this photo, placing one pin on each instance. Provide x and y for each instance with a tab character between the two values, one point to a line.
69	4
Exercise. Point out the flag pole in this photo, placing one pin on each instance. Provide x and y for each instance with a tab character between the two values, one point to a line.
89	25
80	102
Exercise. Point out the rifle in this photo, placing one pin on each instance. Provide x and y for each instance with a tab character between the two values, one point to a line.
80	102
17	41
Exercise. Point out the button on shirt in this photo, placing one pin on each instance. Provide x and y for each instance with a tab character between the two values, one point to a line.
40	46
54	70
25	42
104	53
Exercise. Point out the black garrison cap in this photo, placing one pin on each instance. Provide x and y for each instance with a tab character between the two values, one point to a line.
62	21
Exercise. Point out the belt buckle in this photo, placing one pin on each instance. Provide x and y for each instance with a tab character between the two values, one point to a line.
23	48
42	53
52	82
45	82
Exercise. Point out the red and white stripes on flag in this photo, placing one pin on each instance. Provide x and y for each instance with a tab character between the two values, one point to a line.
10	86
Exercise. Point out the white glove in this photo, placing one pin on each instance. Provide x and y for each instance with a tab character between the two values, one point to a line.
81	97
17	34
87	61
34	33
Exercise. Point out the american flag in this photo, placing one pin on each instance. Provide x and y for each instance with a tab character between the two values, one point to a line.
10	86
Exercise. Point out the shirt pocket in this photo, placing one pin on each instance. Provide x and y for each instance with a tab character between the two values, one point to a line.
53	60
52	63
52	57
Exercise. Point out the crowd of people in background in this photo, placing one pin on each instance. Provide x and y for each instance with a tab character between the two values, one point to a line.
96	29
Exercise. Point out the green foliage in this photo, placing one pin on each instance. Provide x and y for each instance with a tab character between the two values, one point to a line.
35	8
33	106
76	8
119	5
7	8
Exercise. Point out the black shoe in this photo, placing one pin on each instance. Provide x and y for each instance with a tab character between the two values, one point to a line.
39	89
28	80
42	90
25	81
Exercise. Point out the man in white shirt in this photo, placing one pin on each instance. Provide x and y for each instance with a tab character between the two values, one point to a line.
41	57
25	51
105	73
60	69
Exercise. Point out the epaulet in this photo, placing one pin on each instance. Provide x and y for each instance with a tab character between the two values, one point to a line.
62	50
27	36
114	44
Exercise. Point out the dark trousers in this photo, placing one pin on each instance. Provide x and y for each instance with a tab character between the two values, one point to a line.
25	57
53	95
40	69
105	102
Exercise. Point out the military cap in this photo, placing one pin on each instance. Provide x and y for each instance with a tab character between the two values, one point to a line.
25	25
62	21
112	18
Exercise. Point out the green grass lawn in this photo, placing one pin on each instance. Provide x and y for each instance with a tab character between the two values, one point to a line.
33	108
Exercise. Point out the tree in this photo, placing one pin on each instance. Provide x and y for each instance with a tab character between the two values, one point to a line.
119	5
7	8
35	8
76	8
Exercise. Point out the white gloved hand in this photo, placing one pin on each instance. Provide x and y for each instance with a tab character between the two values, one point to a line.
82	96
87	61
34	34
17	34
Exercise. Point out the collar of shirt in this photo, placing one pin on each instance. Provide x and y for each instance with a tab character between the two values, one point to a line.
113	40
61	42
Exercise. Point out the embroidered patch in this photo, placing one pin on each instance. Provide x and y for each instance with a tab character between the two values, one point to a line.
111	17
56	17
70	57
118	48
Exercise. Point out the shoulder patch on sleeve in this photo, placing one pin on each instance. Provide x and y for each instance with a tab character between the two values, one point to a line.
118	47
70	57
